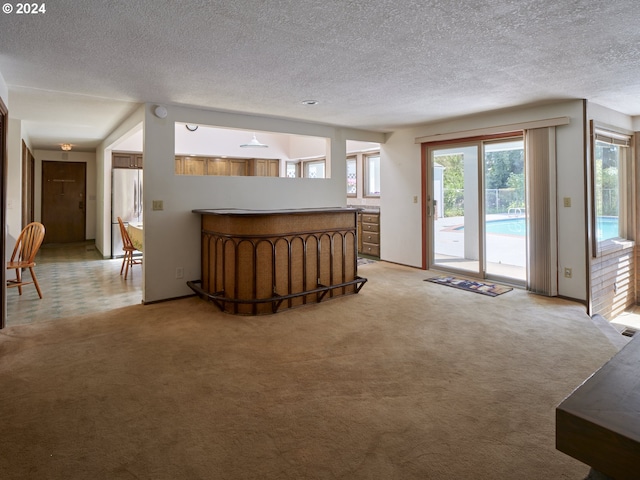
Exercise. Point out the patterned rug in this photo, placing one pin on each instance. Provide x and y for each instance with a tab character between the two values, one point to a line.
490	289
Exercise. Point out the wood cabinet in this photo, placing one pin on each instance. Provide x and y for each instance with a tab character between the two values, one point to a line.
264	167
126	160
238	167
193	166
218	166
369	233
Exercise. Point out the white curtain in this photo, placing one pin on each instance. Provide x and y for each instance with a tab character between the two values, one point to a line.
542	258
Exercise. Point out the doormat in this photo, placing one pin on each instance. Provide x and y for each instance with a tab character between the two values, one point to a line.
490	289
364	261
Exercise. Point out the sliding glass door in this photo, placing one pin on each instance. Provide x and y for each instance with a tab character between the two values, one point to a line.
505	223
476	212
455	208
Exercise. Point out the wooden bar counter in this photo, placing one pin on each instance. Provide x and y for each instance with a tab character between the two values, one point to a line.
259	261
599	423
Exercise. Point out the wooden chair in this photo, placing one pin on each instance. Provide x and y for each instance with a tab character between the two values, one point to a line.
129	249
24	254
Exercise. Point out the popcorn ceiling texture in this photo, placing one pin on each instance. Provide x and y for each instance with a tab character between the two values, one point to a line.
372	64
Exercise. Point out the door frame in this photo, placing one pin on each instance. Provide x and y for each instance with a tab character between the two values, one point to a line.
427	187
28	185
4	116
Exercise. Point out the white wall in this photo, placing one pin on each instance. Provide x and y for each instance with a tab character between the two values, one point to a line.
4	91
401	220
14	183
606	116
89	158
172	236
224	141
306	147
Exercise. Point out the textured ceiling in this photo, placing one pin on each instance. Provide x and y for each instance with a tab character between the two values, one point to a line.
76	71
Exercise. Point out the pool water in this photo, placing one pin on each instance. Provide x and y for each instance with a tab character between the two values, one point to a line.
510	226
607	227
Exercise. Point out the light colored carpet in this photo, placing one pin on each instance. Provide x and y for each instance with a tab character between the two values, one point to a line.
406	380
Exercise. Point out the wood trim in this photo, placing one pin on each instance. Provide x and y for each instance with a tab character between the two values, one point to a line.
497	130
425	242
28	182
4	115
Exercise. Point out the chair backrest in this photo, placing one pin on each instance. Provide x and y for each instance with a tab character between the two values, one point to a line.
28	243
126	240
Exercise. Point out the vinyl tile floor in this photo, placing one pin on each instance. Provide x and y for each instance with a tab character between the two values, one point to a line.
75	280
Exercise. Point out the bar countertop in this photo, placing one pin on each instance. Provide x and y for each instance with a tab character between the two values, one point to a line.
286	211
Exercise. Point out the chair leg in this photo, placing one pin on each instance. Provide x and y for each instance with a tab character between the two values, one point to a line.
35	282
127	257
19	280
124	259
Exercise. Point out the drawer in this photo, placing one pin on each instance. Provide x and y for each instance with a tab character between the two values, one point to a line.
371	237
368	218
371	249
370	227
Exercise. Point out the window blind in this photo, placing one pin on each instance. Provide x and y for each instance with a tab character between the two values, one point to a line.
542	254
613	138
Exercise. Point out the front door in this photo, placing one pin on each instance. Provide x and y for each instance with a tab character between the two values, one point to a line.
63	201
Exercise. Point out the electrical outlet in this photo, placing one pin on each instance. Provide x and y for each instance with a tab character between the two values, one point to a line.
179	273
567	201
568	272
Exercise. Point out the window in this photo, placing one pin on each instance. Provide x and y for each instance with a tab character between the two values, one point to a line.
352	178
306	168
293	169
611	156
314	169
372	175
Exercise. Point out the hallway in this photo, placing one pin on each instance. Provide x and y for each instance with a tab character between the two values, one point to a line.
75	280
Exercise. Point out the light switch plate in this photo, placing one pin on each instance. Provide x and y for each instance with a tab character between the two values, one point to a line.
157	205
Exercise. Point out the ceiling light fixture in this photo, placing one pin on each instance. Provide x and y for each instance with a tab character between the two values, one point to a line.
191	128
310	102
66	147
254	143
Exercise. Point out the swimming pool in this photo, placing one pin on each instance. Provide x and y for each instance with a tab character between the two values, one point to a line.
509	226
607	227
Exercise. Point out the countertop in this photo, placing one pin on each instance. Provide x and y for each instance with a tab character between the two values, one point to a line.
287	211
